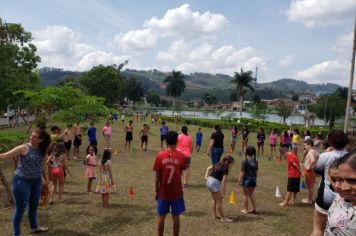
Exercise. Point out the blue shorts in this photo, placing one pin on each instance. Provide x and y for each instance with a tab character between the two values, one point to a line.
198	143
249	182
213	185
163	206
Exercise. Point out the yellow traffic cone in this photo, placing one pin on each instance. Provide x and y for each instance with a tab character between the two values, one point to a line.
115	152
232	198
278	193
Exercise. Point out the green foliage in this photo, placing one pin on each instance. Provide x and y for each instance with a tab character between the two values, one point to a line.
175	84
295	97
284	110
243	81
153	99
133	90
234	96
9	140
62	103
18	60
104	81
260	111
209	99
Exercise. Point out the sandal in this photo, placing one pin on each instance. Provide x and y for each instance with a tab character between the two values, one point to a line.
244	211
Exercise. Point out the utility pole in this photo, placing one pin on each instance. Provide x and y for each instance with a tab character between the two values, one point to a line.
348	105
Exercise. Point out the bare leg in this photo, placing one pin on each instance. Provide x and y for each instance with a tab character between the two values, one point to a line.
161	220
61	188
103	199
90	180
185	176
253	198
53	189
319	224
286	200
218	204
213	206
176	225
246	196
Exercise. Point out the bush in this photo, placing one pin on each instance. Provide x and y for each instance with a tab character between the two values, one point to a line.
9	140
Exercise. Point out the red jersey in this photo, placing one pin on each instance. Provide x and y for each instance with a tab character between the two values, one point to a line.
170	164
292	171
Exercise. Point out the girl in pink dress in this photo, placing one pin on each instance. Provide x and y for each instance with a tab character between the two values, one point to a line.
90	163
106	181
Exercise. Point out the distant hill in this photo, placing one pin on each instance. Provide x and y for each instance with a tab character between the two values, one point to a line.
199	83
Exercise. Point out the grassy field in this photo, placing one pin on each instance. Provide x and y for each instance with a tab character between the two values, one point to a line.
82	214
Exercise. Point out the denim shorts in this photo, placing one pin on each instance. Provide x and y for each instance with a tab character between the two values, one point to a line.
213	185
249	182
177	206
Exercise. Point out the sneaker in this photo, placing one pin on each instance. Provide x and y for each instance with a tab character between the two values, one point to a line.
225	219
39	229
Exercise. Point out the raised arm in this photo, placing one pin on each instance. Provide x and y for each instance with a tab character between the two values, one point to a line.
17	151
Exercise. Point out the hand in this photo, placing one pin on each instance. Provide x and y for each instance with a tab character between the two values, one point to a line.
208	153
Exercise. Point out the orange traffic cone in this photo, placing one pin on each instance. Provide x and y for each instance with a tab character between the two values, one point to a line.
232	199
131	192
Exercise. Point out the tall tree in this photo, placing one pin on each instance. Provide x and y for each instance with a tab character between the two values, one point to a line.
175	85
284	110
234	96
18	61
209	99
104	81
243	81
133	90
153	98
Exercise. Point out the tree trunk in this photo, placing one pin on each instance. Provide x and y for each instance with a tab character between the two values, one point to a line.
241	104
174	104
7	187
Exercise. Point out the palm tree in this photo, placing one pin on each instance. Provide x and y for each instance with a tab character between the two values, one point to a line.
175	86
243	82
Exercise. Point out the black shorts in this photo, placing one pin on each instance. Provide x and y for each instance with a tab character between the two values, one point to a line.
144	139
68	145
163	137
77	141
286	145
129	136
293	185
93	143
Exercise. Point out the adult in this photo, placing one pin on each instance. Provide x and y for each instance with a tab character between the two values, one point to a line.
309	160
216	145
77	140
185	145
244	132
92	135
27	183
107	134
337	139
342	213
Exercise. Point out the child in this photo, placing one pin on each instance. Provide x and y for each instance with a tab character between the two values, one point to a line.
58	164
129	131
272	143
92	135
216	177
244	133
295	141
169	165
144	136
163	131
260	141
106	181
247	179
90	163
107	133
294	174
185	146
198	139
234	133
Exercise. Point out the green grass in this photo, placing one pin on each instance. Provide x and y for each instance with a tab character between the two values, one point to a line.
82	214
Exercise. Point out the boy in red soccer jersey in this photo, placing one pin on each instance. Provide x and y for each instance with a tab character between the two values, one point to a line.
169	165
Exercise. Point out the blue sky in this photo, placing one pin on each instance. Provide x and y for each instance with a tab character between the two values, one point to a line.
310	40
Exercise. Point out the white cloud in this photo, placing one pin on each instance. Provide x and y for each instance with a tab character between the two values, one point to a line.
183	22
286	61
59	46
176	51
205	57
343	43
137	40
333	71
313	13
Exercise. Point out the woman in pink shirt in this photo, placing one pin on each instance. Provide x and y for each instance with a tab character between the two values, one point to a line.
186	147
107	134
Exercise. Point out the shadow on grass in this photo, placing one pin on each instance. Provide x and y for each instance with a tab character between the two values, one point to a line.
65	232
77	202
245	218
195	213
271	213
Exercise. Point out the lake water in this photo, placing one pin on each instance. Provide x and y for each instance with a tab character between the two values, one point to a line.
293	119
